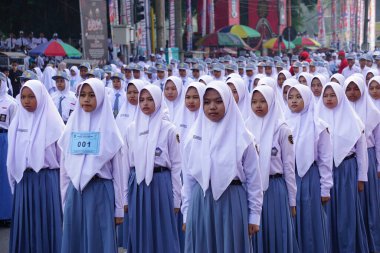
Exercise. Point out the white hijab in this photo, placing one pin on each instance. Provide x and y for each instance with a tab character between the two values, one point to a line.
308	78
323	81
81	168
306	127
264	128
173	106
39	73
377	101
213	149
30	133
128	112
48	81
244	102
338	77
364	107
344	124
146	130
206	78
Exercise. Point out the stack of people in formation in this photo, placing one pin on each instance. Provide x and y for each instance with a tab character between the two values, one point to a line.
222	155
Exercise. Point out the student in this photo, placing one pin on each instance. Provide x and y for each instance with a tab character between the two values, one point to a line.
275	143
355	90
8	107
337	78
205	79
347	230
313	149
240	94
91	173
374	90
317	84
370	74
153	169
74	77
33	171
173	95
125	117
305	78
281	77
118	96
63	98
222	193
49	83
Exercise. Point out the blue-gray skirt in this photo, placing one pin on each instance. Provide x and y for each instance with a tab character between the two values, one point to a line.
5	190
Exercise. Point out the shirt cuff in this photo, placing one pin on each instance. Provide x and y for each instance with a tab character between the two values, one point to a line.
363	177
177	203
254	219
292	202
119	212
325	192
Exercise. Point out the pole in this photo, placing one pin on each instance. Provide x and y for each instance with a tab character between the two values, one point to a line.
160	22
279	28
365	30
147	27
178	27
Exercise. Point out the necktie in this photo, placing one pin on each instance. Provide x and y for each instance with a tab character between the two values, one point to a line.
162	86
116	105
183	82
249	85
60	105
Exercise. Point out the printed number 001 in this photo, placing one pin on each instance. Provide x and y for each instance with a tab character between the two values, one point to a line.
83	144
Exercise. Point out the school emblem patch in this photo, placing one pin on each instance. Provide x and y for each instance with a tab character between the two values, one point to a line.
158	152
3	117
274	151
290	138
177	137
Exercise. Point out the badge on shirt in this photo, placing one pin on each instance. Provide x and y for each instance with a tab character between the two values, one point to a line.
158	152
274	151
3	117
85	143
290	139
177	137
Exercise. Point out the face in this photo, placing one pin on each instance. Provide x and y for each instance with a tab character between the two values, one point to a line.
87	98
296	69
213	105
369	64
116	83
170	72
229	71
280	80
146	101
316	87
255	82
83	72
249	72
192	100
374	90
170	91
28	99
217	74
234	91
330	99
136	74
311	69
196	73
362	63
60	83
353	92
241	71
132	94
161	74
285	92
259	105
350	62
334	80
72	72
368	77
260	69
14	66
128	73
268	71
295	101
182	72
302	80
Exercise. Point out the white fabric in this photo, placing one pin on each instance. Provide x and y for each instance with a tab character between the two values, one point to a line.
212	154
306	128
338	77
49	83
344	124
244	102
264	128
377	101
81	168
174	105
30	133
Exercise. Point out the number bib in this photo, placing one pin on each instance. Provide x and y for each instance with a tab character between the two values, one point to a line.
85	143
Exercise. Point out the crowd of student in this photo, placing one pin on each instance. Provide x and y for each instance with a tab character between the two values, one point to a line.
248	154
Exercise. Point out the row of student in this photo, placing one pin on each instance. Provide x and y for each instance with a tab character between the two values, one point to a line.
152	151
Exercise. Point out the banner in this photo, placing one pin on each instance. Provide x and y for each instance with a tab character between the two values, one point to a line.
171	24
94	30
321	23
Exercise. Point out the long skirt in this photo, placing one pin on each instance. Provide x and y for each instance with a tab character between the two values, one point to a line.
89	218
5	189
311	220
152	222
277	233
370	203
344	214
218	226
37	213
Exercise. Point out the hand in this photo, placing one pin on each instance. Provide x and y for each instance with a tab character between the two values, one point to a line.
360	186
184	227
324	200
253	229
378	174
118	220
126	209
176	210
293	211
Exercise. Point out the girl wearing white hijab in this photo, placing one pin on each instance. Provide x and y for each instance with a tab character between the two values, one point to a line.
284	95
313	148
305	78
205	79
222	193
8	108
125	117
173	95
241	95
91	173
38	71
33	171
282	76
74	78
277	158
63	98
374	90
355	90
337	78
153	169
317	84
370	74
350	170
49	83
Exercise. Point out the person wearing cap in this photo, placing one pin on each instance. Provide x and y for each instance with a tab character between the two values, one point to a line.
5	71
10	43
63	98
151	74
22	42
268	68
296	69
161	53
377	61
183	69
152	60
260	68
107	75
369	61
313	67
279	66
351	68
305	66
162	75
230	68
250	76
363	64
218	72
28	75
14	76
197	71
138	71
241	69
119	96
128	74
83	70
333	63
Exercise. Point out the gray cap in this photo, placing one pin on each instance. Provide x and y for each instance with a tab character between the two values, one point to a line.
85	65
151	70
117	75
28	75
351	56
231	66
60	74
217	67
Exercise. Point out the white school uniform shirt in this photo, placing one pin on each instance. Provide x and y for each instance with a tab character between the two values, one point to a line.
122	97
68	103
8	107
22	42
10	43
186	81
347	71
249	80
160	83
364	70
203	163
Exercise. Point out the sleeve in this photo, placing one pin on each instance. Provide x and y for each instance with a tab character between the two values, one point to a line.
288	161
325	163
376	135
188	184
117	175
126	172
175	161
362	158
253	184
12	112
64	178
11	180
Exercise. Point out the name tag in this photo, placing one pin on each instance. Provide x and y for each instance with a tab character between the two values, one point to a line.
85	143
